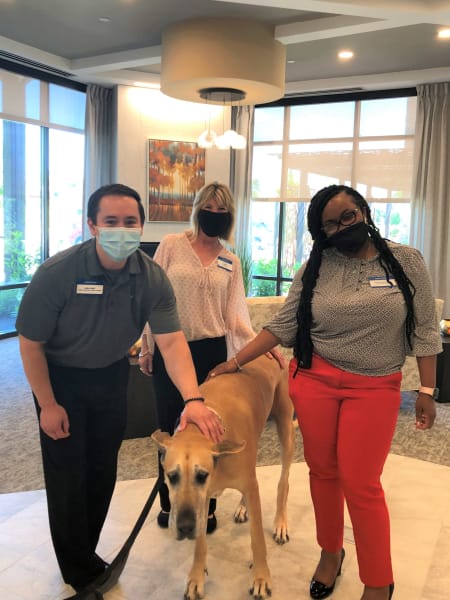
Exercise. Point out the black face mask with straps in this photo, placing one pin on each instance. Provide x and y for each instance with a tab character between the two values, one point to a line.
213	224
350	239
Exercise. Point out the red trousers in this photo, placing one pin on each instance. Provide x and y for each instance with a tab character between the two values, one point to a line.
347	423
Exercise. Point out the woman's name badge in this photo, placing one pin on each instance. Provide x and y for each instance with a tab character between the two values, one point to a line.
224	263
378	282
89	287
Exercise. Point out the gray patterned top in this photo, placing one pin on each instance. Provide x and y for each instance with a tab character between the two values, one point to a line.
358	319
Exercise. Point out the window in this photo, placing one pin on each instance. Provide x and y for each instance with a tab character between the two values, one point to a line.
41	180
298	149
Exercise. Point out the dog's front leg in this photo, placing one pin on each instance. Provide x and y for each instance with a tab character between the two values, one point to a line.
196	581
262	583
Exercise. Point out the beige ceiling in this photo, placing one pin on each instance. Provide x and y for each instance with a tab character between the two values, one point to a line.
394	42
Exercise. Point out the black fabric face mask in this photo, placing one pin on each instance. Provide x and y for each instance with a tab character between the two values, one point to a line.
350	239
213	224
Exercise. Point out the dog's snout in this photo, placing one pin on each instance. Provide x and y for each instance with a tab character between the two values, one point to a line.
186	523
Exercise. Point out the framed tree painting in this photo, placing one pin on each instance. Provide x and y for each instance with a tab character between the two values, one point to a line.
175	173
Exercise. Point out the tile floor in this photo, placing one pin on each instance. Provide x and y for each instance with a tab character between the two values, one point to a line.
418	494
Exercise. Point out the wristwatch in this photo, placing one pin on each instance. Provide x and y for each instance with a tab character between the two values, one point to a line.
433	392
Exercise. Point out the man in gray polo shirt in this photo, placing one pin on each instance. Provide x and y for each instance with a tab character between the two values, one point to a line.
80	314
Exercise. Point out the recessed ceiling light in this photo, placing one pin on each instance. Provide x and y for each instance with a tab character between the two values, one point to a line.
291	62
444	34
345	54
104	19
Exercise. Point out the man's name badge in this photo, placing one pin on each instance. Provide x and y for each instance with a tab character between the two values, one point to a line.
378	282
89	287
224	263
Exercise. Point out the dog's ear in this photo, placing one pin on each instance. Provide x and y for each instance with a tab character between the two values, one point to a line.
162	439
227	447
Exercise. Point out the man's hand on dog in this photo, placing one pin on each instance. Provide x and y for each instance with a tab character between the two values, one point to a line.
206	420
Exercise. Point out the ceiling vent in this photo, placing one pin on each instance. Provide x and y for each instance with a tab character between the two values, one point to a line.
324	92
28	62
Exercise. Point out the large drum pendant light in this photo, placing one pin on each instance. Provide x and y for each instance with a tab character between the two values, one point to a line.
238	58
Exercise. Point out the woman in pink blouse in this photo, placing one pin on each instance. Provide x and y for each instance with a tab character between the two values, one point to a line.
208	285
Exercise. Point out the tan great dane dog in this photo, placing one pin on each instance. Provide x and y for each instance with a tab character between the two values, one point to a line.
197	468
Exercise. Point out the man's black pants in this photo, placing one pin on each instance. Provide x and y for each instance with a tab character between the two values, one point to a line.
80	471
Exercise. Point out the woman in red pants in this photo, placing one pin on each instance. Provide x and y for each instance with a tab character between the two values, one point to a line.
354	311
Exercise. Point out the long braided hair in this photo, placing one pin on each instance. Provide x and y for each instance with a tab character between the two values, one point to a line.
303	348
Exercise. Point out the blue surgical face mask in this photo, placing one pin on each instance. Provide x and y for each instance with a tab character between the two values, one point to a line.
119	242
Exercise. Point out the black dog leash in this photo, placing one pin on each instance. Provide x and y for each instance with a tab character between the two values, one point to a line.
107	580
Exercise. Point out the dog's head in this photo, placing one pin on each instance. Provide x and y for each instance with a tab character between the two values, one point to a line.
189	461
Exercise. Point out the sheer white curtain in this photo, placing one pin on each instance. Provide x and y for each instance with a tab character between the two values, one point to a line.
430	209
240	175
99	143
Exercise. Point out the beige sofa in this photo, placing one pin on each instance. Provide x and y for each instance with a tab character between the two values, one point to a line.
262	310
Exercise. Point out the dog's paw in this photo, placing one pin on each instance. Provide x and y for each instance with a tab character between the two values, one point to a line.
261	588
280	533
240	514
194	590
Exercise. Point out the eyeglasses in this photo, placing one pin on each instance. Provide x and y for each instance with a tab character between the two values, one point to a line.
347	218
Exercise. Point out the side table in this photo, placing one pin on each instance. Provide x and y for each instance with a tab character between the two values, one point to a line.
443	371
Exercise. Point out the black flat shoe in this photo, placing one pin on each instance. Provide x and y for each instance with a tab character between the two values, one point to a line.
163	519
319	590
211	523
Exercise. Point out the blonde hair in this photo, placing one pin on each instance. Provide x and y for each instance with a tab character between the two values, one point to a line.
221	193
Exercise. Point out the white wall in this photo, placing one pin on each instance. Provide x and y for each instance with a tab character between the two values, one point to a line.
144	114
